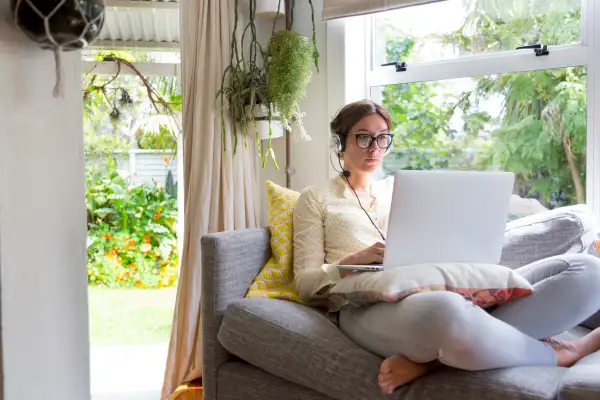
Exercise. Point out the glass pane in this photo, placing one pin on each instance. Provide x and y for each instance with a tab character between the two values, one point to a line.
457	28
531	123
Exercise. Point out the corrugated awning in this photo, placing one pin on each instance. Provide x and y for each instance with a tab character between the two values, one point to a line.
144	24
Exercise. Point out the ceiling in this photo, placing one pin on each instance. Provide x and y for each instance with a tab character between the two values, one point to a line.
141	24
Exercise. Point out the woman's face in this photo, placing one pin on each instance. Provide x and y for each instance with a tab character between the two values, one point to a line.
357	158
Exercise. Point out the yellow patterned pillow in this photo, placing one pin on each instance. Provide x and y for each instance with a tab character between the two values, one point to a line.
276	279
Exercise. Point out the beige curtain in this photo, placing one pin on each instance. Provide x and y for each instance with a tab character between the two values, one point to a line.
348	8
215	181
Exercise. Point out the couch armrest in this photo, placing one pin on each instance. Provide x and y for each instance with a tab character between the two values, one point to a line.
230	262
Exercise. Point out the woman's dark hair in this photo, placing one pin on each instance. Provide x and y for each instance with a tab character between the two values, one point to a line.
351	113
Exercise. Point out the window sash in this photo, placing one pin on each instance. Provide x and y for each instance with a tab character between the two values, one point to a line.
333	9
479	65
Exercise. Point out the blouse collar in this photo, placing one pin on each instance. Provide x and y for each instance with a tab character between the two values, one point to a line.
347	192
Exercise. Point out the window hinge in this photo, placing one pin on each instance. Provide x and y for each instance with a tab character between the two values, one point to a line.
540	50
400	65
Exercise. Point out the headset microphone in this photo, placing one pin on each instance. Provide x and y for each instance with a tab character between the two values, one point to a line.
345	173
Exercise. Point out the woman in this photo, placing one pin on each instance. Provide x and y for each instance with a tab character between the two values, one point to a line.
427	330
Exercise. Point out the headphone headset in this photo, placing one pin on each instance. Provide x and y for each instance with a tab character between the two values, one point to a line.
338	144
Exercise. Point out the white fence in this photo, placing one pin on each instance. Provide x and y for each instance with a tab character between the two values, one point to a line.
143	166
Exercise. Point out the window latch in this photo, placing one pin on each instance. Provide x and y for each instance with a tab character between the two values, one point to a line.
400	65
540	50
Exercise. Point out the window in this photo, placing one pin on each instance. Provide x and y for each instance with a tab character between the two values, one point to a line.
488	85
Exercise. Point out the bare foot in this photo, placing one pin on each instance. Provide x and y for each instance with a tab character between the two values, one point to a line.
398	370
569	352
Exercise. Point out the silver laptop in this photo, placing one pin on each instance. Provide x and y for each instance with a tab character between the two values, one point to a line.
446	216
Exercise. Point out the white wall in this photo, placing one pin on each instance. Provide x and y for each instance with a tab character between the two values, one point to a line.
309	159
42	224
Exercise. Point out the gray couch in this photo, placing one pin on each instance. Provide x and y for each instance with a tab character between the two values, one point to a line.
264	349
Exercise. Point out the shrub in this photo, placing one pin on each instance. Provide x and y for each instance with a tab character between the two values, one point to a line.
132	232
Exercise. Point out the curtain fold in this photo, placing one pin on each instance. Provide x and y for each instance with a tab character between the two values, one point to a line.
221	189
348	8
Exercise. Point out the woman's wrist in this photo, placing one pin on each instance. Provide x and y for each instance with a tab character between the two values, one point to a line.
348	260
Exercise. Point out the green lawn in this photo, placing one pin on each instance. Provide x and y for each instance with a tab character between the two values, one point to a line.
130	316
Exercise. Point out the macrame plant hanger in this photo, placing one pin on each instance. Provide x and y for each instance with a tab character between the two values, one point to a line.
84	27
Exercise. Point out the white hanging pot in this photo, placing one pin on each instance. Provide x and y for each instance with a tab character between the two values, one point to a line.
260	127
267	9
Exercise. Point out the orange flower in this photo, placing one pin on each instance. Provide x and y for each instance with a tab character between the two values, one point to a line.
108	236
132	265
166	159
126	248
131	243
147	239
138	283
157	215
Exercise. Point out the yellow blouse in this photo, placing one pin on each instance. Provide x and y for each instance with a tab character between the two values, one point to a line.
329	225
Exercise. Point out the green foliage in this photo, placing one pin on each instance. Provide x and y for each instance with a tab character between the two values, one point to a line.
544	123
115	106
161	140
132	232
170	185
290	69
422	131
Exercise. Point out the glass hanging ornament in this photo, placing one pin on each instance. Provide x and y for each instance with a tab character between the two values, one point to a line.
59	25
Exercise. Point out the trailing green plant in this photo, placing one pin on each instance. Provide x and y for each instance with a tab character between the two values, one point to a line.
290	69
244	82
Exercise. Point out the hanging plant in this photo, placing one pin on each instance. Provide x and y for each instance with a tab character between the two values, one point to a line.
242	97
290	70
263	86
59	25
290	58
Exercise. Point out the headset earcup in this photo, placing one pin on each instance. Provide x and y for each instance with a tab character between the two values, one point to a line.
336	143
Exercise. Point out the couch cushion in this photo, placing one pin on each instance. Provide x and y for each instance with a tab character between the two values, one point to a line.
548	233
301	345
276	279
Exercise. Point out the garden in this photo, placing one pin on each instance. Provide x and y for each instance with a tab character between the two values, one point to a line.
132	219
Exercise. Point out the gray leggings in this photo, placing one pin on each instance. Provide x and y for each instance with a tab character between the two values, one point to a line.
444	326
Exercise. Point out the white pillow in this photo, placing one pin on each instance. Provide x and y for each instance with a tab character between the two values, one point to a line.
486	285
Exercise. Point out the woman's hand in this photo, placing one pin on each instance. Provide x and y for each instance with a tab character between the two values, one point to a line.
370	255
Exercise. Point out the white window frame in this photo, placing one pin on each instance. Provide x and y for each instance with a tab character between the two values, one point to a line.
351	75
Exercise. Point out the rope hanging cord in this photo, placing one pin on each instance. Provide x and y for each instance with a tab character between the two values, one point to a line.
52	40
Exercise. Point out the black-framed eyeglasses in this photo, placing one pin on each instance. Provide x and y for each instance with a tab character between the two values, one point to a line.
364	140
